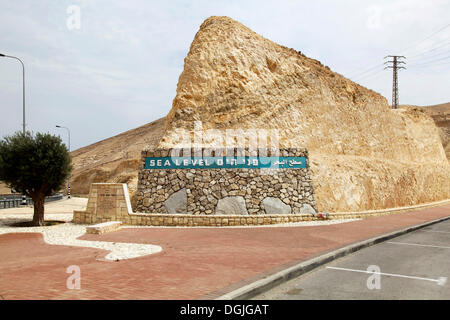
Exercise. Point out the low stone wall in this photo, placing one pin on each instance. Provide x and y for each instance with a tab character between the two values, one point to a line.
231	191
185	220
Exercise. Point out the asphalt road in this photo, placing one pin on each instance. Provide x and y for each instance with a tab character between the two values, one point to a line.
413	266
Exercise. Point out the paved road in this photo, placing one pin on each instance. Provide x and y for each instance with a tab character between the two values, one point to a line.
59	206
413	266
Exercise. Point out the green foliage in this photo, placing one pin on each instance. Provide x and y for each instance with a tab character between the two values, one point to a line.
34	165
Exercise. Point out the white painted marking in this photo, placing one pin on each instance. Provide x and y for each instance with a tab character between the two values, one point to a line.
67	234
419	245
435	231
441	281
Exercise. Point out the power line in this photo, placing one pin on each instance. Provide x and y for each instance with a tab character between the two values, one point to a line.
371	71
432	49
424	70
357	75
368	76
422	63
433	56
426	38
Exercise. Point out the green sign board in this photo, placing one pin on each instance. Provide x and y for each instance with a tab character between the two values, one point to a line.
224	162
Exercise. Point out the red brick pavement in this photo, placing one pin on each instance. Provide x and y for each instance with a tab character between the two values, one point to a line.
195	262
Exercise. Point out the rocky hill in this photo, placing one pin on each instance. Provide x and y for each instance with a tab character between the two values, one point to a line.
116	159
363	154
441	116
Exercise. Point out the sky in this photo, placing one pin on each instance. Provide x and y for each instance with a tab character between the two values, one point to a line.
102	67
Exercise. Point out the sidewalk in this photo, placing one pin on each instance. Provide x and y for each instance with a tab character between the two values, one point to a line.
196	263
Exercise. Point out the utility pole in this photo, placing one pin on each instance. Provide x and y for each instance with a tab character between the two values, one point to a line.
68	178
24	198
395	64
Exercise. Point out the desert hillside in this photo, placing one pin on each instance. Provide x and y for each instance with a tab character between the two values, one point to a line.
116	159
441	116
438	109
363	154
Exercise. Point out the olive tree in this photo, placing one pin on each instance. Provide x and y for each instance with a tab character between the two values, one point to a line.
36	166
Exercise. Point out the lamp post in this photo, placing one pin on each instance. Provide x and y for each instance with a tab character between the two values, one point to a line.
23	85
68	184
24	200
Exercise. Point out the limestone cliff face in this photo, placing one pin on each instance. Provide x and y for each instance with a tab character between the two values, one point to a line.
441	116
363	154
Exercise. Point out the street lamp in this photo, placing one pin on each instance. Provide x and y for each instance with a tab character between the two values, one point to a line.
68	184
24	200
23	85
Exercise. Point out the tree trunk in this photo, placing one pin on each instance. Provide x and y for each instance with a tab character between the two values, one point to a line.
38	217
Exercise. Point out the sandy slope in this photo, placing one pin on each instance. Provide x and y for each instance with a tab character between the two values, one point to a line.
116	159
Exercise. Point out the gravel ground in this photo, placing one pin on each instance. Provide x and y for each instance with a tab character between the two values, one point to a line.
67	233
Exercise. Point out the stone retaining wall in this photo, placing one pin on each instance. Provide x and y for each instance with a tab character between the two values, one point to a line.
230	191
183	220
110	202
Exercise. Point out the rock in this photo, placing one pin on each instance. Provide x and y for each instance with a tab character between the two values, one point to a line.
373	156
177	202
234	205
275	206
189	175
147	202
306	208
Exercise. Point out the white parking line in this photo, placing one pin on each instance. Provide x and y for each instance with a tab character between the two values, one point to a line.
435	231
418	245
441	281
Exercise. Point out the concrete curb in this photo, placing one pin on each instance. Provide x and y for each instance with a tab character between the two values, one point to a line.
263	285
396	209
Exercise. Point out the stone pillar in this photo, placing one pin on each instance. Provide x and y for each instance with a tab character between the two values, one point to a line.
107	202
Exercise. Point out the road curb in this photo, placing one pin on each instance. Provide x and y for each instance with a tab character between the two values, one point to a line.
267	283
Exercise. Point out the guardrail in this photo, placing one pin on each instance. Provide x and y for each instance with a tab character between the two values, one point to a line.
13	203
16	201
